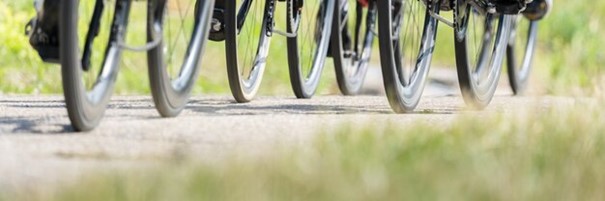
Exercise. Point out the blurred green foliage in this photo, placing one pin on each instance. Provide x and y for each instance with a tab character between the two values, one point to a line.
569	60
572	46
21	71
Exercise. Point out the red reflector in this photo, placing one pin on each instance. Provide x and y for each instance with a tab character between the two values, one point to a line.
364	3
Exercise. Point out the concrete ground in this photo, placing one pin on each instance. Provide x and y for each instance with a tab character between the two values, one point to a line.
38	146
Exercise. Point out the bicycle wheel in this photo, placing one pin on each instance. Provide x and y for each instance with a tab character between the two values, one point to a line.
352	46
174	62
247	45
480	45
407	39
308	50
520	52
95	27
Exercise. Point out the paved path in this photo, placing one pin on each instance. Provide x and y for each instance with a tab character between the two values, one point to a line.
38	146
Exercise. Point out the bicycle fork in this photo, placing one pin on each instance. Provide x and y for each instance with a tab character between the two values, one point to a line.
118	27
217	27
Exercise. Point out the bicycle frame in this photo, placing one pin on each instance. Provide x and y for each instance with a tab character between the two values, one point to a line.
269	11
243	11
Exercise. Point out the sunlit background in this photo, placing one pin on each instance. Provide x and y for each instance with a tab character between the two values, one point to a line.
570	58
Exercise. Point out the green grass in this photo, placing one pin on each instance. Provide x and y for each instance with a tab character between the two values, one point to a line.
21	71
571	55
542	153
569	59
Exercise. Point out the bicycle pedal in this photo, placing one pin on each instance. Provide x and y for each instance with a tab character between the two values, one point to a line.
48	54
43	31
46	46
349	54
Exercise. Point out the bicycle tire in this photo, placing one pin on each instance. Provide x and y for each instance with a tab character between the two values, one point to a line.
171	87
351	66
86	104
304	76
476	90
519	71
245	76
405	77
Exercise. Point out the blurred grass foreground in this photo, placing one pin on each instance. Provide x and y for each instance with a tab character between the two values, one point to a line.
569	60
543	153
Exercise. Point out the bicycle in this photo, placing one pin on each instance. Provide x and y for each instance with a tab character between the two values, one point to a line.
522	44
479	57
351	46
89	39
478	94
247	26
481	33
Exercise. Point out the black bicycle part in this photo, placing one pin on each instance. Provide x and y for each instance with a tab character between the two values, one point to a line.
93	32
43	30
